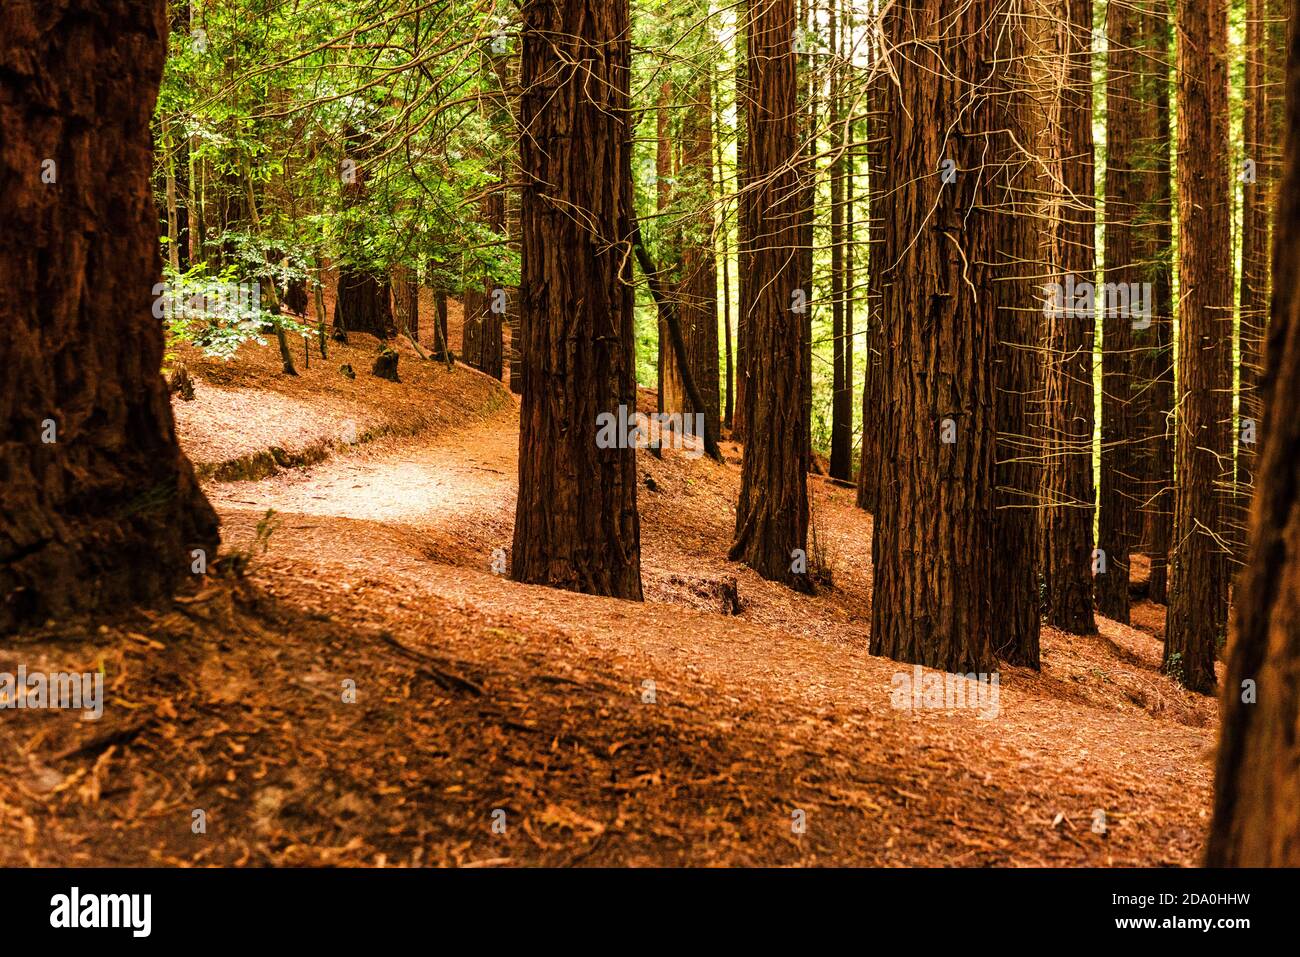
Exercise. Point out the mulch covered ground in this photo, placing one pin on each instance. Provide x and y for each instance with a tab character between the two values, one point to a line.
503	724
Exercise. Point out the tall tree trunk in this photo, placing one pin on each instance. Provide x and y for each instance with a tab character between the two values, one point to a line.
933	599
1261	130
744	241
1155	363
1198	590
362	303
841	464
1130	113
406	301
1067	249
576	523
99	506
669	386
728	404
698	289
772	514
872	382
1256	819
1014	568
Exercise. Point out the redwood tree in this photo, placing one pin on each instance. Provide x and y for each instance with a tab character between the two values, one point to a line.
772	514
576	522
1256	819
1067	249
934	599
698	288
1197	614
98	506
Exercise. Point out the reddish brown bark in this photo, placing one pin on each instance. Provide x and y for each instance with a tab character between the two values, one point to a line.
576	523
772	514
1196	619
109	511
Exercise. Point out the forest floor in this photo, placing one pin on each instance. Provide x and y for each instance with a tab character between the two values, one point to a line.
496	723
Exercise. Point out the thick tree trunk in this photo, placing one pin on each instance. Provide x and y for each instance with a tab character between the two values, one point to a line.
933	600
1196	620
1257	782
98	506
772	514
576	523
363	301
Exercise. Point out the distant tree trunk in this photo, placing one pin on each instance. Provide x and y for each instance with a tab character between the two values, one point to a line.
1154	365
772	514
728	404
872	383
576	523
99	506
698	289
841	464
1261	132
1257	780
670	392
441	345
1197	614
933	600
362	302
1127	192
744	242
406	301
807	172
1067	249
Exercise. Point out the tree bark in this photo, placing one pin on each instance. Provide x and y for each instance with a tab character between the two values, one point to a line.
1155	363
1067	250
772	514
1196	618
697	291
841	464
1014	569
576	523
107	511
933	598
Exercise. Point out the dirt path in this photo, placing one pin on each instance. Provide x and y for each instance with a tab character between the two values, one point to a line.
738	722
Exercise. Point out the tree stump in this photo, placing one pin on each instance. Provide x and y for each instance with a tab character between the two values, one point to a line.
385	366
180	384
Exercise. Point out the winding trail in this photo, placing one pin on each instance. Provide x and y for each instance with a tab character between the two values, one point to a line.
757	716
